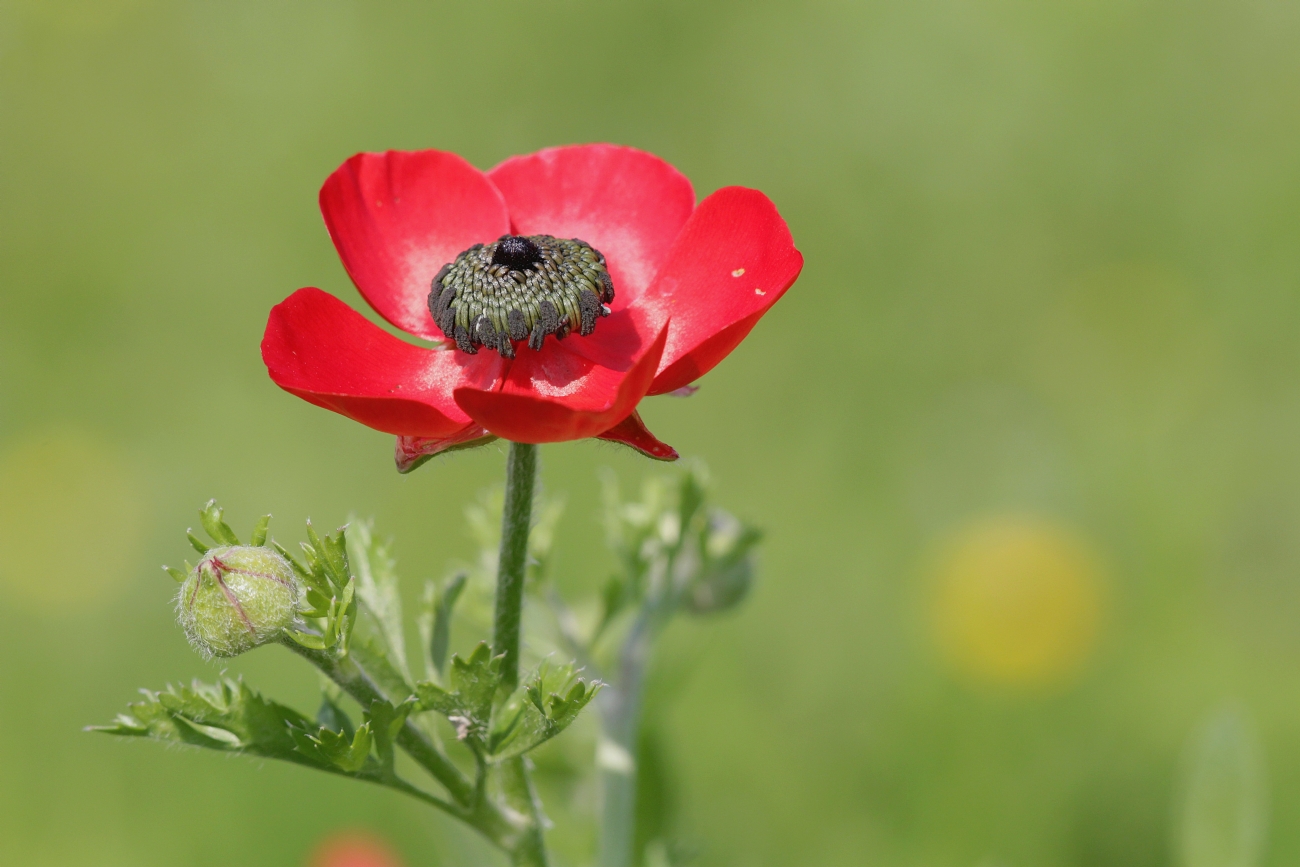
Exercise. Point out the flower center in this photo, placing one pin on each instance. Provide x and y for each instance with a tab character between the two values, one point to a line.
520	288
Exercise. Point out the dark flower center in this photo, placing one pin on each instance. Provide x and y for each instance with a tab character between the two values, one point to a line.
517	253
520	288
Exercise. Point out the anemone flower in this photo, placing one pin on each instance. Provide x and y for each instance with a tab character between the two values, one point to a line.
555	291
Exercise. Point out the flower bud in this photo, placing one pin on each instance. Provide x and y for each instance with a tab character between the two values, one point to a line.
237	598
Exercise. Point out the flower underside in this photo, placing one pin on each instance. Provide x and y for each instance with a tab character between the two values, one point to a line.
520	288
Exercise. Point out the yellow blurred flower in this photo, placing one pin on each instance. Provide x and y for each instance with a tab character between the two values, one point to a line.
70	519
1017	602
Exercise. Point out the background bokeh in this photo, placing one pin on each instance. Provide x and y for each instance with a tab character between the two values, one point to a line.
1025	437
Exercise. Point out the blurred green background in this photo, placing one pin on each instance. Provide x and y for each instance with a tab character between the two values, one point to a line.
1025	437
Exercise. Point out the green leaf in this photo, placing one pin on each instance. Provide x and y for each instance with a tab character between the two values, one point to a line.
440	640
330	591
259	531
434	697
370	655
226	716
386	720
690	494
309	640
347	752
726	568
376	588
468	703
541	537
304	574
194	541
176	573
332	716
211	517
539	711
476	680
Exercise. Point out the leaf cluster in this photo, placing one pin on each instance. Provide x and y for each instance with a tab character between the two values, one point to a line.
674	551
496	730
330	591
212	519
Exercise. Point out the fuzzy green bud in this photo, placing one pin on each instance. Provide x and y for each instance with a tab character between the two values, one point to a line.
237	598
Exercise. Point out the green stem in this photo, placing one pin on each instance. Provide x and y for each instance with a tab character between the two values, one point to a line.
416	743
620	706
516	517
517	786
512	568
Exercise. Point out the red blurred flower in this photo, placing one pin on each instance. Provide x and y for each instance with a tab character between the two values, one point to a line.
353	850
690	282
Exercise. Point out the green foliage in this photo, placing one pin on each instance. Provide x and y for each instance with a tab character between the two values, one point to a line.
498	730
215	525
674	552
230	717
226	716
347	751
467	704
435	623
376	576
543	708
330	591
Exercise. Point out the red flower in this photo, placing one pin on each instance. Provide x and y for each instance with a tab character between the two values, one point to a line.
689	282
354	850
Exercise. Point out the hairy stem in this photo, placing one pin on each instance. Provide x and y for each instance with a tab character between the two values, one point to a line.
416	743
512	566
516	517
620	711
522	797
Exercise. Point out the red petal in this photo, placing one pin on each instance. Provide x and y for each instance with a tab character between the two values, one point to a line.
731	262
411	452
631	431
328	354
626	203
398	217
557	395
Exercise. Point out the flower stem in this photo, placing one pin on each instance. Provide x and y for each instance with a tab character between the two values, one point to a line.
516	517
512	565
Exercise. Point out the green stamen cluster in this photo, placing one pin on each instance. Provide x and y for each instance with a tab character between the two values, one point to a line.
521	288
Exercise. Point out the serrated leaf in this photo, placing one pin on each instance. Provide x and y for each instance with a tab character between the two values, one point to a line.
538	712
386	720
468	703
346	751
211	517
376	588
476	680
259	531
331	716
226	716
434	697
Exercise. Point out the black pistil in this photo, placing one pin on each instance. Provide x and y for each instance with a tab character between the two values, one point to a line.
517	253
